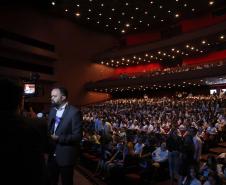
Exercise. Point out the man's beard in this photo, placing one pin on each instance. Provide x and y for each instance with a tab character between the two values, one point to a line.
54	104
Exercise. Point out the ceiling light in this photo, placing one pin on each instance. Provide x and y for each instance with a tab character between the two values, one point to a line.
53	3
162	20
222	37
187	46
78	5
136	8
127	4
185	5
123	13
177	15
127	25
211	3
77	14
123	31
66	10
203	42
112	9
146	13
193	9
102	4
100	14
172	49
160	6
151	2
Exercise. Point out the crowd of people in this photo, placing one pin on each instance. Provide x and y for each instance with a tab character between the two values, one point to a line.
157	134
171	70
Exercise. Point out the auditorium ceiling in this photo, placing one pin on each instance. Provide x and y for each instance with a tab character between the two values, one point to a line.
133	16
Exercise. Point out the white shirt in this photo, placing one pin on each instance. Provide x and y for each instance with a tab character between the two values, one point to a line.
159	155
195	182
59	114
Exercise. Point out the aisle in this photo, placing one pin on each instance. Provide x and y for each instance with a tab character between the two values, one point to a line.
79	179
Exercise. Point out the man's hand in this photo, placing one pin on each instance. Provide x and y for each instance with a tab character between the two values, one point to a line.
54	137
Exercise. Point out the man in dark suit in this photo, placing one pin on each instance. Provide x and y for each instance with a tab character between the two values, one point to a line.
65	129
22	149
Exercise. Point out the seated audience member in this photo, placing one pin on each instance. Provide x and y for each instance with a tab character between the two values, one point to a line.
138	148
191	178
23	147
208	167
213	179
160	155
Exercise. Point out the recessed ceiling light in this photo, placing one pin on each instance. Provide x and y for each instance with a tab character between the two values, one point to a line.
177	15
151	2
203	42
77	14
222	37
146	13
53	3
123	13
127	4
211	3
123	31
112	9
187	46
66	10
78	5
89	10
136	8
193	9
185	5
127	25
100	14
102	4
160	6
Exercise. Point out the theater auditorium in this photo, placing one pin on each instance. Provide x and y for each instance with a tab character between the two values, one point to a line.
106	92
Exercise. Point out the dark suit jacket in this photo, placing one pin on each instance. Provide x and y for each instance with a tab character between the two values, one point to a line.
69	131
